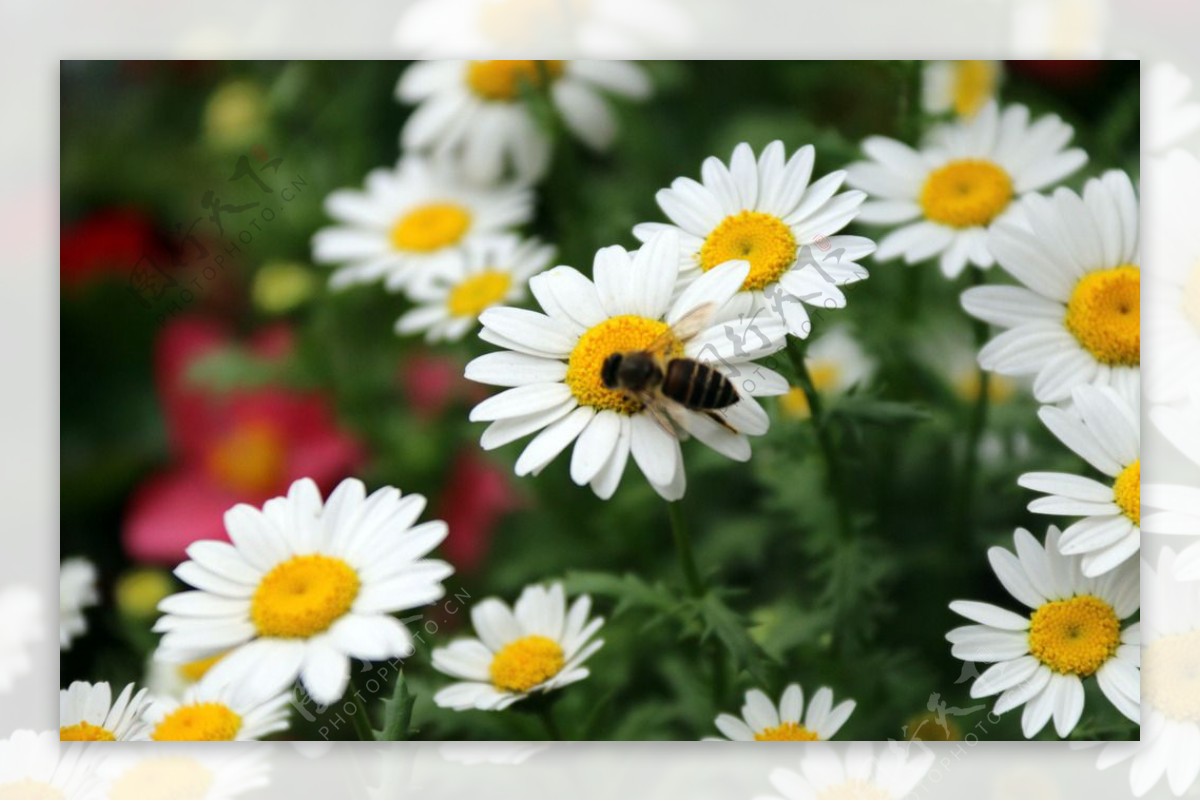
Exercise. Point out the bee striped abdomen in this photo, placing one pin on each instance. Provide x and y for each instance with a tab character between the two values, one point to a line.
697	386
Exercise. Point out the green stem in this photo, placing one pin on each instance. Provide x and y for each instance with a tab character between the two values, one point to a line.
913	114
683	547
547	716
362	720
975	428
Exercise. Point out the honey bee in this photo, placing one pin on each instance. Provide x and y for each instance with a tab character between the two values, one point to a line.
663	383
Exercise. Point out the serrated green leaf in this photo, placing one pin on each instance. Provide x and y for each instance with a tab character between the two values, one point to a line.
397	712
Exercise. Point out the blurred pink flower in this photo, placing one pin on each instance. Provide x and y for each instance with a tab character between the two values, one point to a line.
477	495
432	382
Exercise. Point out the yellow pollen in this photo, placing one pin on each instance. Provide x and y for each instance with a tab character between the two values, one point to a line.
29	789
501	80
194	671
1105	315
525	663
1171	676
615	335
203	721
762	239
303	596
1076	636
85	732
853	788
786	731
478	292
974	85
163	777
431	227
966	193
251	459
1127	491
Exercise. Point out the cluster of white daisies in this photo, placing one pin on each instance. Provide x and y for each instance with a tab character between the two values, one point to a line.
305	584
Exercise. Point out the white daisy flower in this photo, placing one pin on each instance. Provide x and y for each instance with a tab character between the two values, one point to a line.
38	765
537	646
76	592
835	362
489	272
20	625
1077	319
553	363
761	720
88	712
303	588
1175	507
171	680
1103	430
1173	277
183	770
474	110
767	214
1073	632
965	178
410	218
854	770
1172	113
208	711
961	87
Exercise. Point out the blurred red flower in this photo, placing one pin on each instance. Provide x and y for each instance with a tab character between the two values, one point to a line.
477	495
109	242
244	446
431	382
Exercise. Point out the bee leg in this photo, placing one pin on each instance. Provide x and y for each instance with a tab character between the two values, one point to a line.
721	421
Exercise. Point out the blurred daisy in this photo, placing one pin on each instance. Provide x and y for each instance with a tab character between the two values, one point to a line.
967	177
1077	319
1103	430
836	362
1172	115
410	218
475	111
208	711
761	720
1175	507
38	765
76	592
1173	277
182	770
1073	632
20	625
859	770
553	363
88	712
171	680
489	272
766	213
961	87
303	588
535	647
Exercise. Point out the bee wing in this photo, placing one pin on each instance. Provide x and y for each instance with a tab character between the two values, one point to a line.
687	327
661	408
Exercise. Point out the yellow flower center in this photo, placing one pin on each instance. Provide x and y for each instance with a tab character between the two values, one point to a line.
1076	636
825	377
999	388
250	459
1171	676
1127	491
200	721
786	731
85	732
480	291
1105	315
853	788
431	227
193	671
29	789
762	239
163	777
525	663
501	80
974	85
303	596
615	335
966	193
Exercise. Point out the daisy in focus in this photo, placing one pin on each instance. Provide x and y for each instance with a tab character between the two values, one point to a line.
88	712
556	365
410	218
961	87
76	592
208	712
766	212
967	177
762	720
476	112
1074	632
303	587
1077	319
836	362
489	272
1103	430
535	647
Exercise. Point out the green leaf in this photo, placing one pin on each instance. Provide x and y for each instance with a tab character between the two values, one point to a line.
397	712
630	591
865	409
732	630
